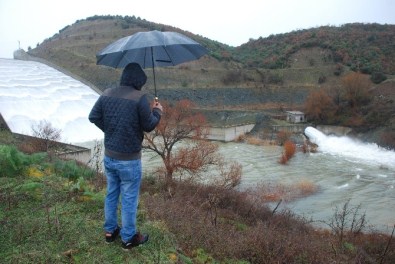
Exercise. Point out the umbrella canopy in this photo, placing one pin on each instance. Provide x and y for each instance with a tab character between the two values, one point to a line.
151	49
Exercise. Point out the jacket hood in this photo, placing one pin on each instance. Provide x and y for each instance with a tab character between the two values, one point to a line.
133	75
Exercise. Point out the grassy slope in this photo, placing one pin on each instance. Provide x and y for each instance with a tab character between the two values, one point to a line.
43	222
51	211
45	218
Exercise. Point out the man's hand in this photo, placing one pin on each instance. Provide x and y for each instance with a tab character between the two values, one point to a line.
157	105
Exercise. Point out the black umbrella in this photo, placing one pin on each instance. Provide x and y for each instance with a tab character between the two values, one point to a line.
151	49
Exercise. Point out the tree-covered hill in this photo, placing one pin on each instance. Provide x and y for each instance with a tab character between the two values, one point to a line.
365	47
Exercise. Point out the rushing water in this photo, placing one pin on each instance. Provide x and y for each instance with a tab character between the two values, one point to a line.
31	92
342	168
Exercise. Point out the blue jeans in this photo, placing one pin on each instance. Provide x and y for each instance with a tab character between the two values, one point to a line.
123	179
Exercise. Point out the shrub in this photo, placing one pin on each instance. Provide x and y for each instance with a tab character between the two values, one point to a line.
338	69
322	79
275	79
356	89
232	77
289	152
378	77
125	26
6	137
347	220
289	149
13	162
70	170
319	106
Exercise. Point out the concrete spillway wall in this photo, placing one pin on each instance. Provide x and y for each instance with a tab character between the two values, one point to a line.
229	133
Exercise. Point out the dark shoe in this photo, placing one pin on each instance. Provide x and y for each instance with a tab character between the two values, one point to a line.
110	237
137	240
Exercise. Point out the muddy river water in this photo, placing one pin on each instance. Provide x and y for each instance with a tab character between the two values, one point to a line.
342	169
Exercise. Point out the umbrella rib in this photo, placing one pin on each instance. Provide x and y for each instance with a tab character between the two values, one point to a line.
168	55
145	57
119	61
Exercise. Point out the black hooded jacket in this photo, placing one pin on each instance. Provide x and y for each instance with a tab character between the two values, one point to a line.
124	114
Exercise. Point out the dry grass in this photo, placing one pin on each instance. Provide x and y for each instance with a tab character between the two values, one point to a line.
306	187
253	140
228	225
274	192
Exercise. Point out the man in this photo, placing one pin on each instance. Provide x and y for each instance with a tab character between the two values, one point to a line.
124	114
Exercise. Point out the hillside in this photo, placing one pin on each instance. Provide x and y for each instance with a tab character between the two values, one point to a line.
299	58
75	46
275	73
365	47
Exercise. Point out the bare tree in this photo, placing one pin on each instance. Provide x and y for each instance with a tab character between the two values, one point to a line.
181	123
347	220
48	135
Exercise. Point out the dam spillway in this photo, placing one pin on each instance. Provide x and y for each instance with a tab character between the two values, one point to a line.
31	92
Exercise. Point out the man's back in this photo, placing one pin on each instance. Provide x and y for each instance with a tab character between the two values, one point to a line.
123	114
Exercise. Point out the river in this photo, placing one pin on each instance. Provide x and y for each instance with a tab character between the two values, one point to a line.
342	169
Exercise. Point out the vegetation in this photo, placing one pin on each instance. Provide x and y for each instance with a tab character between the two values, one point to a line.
181	123
51	215
320	107
353	104
360	46
51	212
355	90
289	152
46	135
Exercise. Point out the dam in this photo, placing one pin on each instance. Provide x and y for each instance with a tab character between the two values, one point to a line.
31	92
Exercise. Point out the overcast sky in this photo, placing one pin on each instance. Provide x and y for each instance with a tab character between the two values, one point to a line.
29	22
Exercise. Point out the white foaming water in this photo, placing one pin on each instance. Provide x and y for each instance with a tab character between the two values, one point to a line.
351	149
31	92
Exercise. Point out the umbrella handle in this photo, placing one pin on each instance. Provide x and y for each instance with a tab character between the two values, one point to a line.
156	99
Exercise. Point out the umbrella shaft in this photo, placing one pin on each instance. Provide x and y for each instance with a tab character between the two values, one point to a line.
153	70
